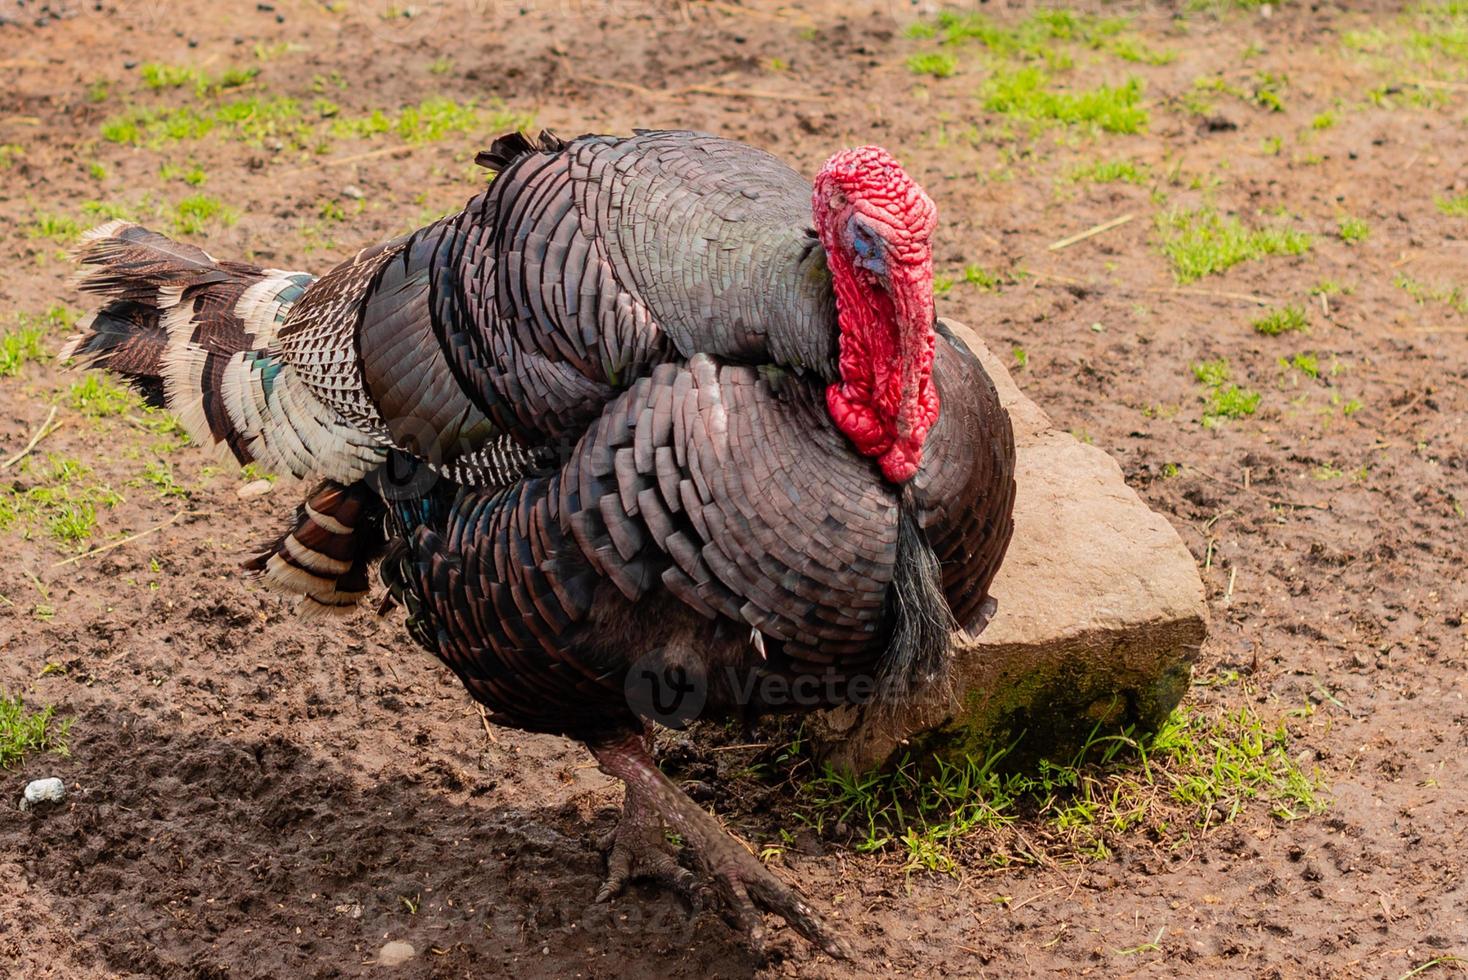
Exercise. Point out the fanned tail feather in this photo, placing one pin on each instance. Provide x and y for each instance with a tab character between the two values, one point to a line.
199	336
325	555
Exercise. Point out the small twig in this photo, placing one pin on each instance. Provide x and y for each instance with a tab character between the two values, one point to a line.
633	87
1405	408
1228	594
1432	83
45	430
1165	290
352	158
484	720
131	537
1215	293
777	16
747	745
748	93
1023	902
1091	232
1279	501
39	586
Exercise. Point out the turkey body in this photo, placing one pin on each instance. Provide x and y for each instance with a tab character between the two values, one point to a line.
585	418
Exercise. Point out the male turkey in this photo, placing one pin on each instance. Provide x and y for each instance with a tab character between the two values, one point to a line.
652	429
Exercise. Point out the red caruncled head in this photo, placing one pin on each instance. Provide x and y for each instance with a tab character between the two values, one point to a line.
876	225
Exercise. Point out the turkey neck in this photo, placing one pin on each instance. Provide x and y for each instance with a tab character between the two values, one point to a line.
801	327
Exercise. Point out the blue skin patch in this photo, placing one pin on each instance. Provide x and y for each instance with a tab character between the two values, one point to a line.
869	250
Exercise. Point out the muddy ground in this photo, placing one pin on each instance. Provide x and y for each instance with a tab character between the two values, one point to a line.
252	796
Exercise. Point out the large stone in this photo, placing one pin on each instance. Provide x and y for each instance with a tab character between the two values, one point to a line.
1100	617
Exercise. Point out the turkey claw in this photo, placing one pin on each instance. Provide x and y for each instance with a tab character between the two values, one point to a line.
636	849
747	886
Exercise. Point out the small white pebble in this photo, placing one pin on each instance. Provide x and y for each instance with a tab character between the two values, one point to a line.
396	953
255	488
353	191
50	790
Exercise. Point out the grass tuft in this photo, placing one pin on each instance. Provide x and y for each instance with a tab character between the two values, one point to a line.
1454	207
1022	93
1202	242
1110	171
1221	399
939	64
1353	231
1193	775
194	213
23	731
56	499
1289	319
19	347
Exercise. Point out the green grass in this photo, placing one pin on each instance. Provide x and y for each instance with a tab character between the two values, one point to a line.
23	730
1133	50
157	76
1212	373
987	281
195	213
939	64
1110	171
105	210
20	347
1452	296
1195	774
159	476
9	154
1023	94
193	175
1288	319
255	120
1306	364
57	228
56	498
1201	242
96	397
1032	39
1223	400
1325	120
1454	207
1264	90
1353	231
1229	402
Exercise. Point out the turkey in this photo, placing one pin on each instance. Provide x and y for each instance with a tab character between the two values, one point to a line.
652	430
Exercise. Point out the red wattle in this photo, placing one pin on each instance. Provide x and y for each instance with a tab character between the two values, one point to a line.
885	401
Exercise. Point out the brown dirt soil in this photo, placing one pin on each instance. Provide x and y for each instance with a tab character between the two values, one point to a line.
253	796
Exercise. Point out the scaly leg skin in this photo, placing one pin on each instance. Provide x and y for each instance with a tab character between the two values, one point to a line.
637	848
745	883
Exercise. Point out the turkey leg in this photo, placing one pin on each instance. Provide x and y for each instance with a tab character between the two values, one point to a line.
745	884
637	848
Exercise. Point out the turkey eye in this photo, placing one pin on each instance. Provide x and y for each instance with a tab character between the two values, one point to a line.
863	242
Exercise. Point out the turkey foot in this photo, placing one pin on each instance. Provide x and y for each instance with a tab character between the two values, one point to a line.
745	884
636	848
